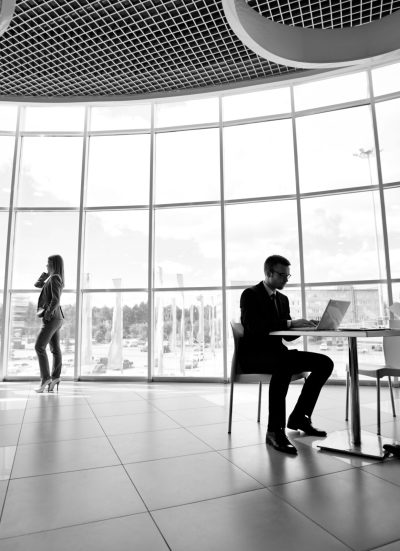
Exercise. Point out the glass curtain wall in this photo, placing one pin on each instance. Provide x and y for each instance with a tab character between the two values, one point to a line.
165	211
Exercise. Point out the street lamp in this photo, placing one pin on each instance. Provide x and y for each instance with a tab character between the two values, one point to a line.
366	154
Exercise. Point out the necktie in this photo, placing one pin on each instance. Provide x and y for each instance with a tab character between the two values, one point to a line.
275	302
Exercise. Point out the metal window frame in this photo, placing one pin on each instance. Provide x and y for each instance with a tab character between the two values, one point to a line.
151	289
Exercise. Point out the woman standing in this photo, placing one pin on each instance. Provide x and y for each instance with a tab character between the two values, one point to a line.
49	309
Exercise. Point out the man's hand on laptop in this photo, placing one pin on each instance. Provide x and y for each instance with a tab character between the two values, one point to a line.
303	323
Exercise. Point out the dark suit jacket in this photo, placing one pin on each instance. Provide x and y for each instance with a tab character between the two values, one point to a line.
259	317
49	298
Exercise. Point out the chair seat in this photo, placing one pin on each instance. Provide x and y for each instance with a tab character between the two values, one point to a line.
379	372
252	378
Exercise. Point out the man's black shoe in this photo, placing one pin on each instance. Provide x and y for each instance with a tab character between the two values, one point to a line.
304	424
280	442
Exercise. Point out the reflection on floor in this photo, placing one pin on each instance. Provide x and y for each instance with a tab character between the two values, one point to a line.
141	466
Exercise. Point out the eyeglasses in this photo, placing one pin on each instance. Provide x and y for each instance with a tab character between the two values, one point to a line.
282	274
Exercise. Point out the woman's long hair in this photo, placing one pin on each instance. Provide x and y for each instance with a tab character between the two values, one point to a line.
58	265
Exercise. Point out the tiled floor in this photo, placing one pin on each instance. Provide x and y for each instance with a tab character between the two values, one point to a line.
137	466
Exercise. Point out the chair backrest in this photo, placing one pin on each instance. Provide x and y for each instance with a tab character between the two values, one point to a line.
236	372
391	350
238	332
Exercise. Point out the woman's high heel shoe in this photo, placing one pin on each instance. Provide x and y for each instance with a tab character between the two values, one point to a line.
43	386
53	383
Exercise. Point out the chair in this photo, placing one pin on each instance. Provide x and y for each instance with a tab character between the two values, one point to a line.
391	351
237	376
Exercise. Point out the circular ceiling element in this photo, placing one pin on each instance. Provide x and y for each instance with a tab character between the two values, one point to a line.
7	8
309	48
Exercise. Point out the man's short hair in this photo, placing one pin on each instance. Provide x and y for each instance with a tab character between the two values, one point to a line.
273	260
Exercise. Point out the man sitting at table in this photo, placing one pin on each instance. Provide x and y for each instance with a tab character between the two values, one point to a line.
265	309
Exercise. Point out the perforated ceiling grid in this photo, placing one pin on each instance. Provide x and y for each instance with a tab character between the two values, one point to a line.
79	48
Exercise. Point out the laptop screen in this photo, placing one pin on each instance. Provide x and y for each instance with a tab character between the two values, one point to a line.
333	315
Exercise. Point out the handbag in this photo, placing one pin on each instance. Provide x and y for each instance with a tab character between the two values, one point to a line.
40	312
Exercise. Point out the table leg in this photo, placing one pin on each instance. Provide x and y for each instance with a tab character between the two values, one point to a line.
354	390
354	442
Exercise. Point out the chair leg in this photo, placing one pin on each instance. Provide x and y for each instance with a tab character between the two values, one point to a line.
391	396
378	400
259	401
230	408
347	395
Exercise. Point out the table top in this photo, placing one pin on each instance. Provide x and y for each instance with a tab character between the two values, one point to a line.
339	333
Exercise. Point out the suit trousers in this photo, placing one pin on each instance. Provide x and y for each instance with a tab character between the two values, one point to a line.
49	334
282	367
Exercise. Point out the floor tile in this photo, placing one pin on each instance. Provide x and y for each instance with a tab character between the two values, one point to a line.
12	403
244	433
390	429
169	482
179	402
68	429
122	534
75	498
57	413
140	422
394	546
67	455
349	505
147	446
271	467
3	490
9	434
11	416
202	416
121	408
7	454
47	400
256	521
388	470
110	396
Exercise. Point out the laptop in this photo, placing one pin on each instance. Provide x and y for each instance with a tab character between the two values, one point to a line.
331	318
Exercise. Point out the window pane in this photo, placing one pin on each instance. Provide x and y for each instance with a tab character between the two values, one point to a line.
392	205
388	120
39	235
116	249
336	150
50	172
119	170
114	334
254	232
24	328
8	117
3	245
176	113
256	104
6	163
396	295
58	118
331	91
3	242
342	237
120	117
187	247
258	160
386	79
189	345
368	307
181	173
